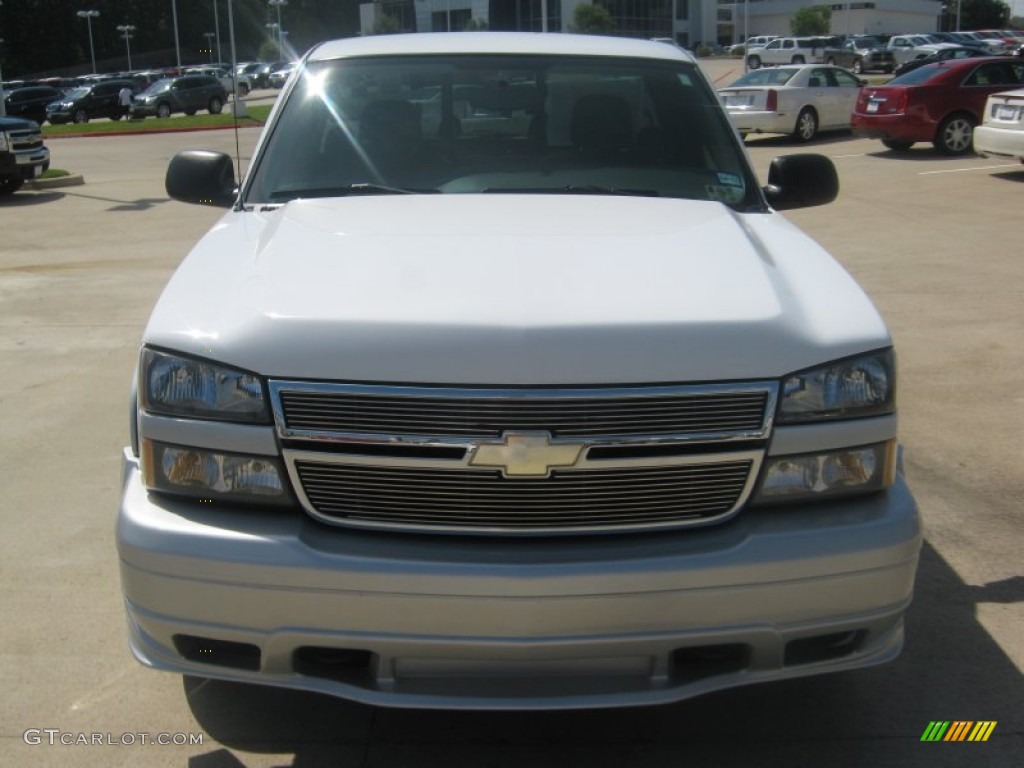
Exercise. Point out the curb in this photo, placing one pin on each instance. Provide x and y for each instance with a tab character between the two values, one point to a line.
100	134
71	180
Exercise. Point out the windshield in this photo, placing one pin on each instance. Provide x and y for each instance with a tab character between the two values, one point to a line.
765	77
76	93
502	124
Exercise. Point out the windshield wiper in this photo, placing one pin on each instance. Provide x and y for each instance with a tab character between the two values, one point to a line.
572	189
344	190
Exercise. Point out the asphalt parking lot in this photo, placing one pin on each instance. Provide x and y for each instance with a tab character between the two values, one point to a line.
934	240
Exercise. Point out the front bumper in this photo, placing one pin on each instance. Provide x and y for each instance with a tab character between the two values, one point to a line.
27	165
460	622
142	110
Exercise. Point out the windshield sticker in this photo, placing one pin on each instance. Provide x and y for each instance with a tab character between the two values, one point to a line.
723	194
730	179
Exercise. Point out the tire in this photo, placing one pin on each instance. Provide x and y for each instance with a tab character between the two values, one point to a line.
858	67
955	135
243	89
896	145
754	62
190	112
10	184
163	109
116	116
80	116
806	125
831	61
215	105
798	60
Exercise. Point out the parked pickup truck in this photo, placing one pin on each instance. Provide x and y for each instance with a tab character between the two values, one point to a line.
528	400
787	50
907	47
22	153
861	53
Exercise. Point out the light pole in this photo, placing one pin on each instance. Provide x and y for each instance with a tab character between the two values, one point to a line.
209	44
126	32
280	34
89	16
3	106
273	27
177	46
216	31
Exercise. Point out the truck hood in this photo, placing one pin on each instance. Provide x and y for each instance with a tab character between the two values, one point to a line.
16	124
512	290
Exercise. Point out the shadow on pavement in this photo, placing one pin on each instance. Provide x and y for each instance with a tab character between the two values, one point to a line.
29	198
823	139
142	204
951	669
1017	176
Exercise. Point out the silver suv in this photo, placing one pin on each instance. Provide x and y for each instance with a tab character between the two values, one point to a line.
188	94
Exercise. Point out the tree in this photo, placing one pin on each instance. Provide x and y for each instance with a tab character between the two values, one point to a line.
983	14
811	20
591	20
386	25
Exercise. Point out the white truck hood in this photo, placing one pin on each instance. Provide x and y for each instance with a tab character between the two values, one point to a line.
512	290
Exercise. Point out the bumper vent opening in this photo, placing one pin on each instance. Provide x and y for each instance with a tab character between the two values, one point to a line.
343	664
702	661
222	653
809	650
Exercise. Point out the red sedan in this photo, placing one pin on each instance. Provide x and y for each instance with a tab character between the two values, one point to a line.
940	103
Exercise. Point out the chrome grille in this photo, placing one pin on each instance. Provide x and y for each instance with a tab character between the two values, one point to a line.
483	500
26	138
309	409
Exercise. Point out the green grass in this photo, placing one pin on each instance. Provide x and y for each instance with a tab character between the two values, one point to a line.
54	173
255	115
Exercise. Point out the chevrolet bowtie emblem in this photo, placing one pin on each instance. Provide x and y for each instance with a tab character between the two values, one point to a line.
526	454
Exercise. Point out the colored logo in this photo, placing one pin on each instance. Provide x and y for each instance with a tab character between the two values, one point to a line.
958	730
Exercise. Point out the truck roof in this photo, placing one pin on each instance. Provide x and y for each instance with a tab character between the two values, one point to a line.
496	43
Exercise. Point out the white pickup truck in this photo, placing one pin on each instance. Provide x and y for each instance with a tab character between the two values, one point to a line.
502	383
907	47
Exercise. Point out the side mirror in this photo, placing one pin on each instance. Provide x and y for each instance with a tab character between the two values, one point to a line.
202	177
801	181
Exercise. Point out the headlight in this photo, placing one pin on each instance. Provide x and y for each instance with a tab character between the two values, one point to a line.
211	475
814	476
192	388
857	386
4	143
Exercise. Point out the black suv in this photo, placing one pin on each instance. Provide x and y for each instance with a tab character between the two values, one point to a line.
30	102
88	101
187	93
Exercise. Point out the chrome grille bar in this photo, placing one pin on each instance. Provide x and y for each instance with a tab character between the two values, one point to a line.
590	498
341	411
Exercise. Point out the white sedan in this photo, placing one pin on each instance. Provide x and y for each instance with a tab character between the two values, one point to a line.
798	99
1002	129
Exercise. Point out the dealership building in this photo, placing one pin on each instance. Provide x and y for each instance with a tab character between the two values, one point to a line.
686	21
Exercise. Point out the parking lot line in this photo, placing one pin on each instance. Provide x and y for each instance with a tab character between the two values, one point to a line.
975	168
